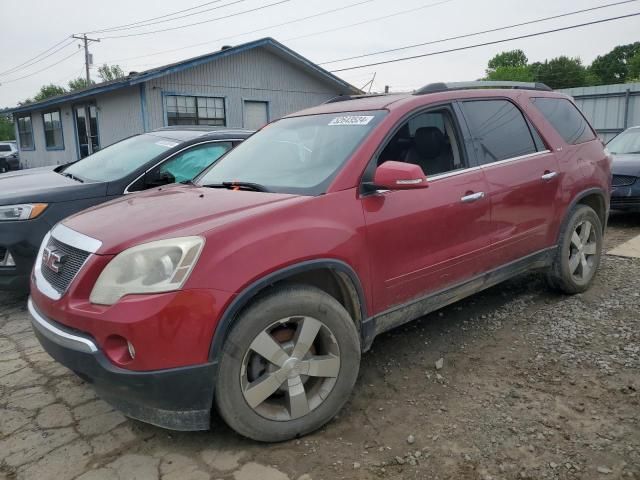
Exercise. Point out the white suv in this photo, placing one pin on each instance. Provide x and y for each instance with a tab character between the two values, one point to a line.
9	157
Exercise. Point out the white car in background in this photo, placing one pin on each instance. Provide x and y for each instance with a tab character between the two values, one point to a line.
9	157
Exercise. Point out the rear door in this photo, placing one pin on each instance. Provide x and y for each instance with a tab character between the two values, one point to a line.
522	176
424	240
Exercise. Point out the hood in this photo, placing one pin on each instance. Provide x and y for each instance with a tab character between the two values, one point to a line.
46	186
174	211
626	164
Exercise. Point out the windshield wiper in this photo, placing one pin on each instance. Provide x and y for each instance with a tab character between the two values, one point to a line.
71	176
255	187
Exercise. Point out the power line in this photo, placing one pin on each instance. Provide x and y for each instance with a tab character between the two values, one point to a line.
42	69
118	27
200	23
33	60
170	19
467	47
457	37
326	12
384	17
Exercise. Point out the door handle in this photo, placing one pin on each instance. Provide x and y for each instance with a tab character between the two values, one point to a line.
472	197
549	176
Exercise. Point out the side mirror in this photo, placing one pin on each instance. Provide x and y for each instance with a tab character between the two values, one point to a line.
399	176
158	179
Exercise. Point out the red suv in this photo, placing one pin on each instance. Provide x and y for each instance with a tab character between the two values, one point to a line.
255	289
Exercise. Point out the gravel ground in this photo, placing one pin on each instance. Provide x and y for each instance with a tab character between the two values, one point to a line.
512	383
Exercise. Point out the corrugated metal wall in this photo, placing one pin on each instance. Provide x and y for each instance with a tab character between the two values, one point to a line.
252	75
609	108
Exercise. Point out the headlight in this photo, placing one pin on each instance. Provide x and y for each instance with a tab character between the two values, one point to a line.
152	267
25	211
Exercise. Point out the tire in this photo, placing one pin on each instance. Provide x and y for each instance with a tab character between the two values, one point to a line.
575	263
283	315
4	166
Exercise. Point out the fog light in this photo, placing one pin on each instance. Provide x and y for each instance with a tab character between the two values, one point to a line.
132	351
119	350
8	260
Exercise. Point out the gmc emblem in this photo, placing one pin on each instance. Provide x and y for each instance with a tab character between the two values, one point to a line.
52	259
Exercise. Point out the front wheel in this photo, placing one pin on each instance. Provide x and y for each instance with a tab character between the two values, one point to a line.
4	166
578	256
288	365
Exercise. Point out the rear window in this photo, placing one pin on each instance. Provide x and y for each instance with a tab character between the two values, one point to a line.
565	118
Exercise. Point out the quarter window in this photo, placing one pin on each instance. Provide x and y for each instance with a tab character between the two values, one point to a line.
52	130
186	110
25	133
565	118
499	130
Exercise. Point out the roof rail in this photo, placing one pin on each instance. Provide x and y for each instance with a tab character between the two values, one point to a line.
344	98
443	87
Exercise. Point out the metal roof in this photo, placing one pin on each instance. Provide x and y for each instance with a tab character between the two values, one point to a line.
268	43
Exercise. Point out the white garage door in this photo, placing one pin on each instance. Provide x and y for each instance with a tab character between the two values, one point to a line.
255	114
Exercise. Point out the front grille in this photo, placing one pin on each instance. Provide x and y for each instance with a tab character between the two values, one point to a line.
623	180
625	202
73	259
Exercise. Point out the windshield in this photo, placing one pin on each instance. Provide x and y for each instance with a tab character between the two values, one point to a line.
5	148
120	159
299	155
627	142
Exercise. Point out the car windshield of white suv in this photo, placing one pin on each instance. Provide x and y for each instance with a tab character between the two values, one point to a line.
5	148
120	159
628	142
299	155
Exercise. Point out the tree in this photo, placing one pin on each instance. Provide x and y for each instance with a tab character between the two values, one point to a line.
108	73
7	132
560	72
78	84
512	58
634	68
512	74
613	67
48	91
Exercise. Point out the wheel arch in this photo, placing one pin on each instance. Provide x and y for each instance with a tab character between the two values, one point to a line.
594	198
334	277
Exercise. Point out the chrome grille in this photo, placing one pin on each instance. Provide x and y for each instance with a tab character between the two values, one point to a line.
73	259
623	180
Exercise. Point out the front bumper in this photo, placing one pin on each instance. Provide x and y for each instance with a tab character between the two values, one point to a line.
22	240
177	398
626	198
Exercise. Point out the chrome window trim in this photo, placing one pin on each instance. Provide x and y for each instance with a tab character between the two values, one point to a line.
75	239
57	335
460	171
126	190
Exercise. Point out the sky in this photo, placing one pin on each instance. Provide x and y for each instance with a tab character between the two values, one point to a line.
33	26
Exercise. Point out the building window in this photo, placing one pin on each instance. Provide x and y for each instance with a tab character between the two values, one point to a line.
53	130
25	133
183	110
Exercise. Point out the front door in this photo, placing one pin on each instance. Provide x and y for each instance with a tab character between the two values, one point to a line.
421	241
86	117
522	174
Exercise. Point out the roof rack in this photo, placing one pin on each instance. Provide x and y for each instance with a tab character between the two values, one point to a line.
443	87
344	98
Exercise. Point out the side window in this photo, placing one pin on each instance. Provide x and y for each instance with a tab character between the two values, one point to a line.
188	164
498	129
429	140
565	118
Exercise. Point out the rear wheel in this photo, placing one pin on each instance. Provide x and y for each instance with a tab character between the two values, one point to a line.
578	256
4	166
288	365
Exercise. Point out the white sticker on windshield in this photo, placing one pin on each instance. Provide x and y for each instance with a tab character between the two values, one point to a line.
352	120
163	143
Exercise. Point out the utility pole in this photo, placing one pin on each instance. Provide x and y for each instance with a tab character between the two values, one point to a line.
86	41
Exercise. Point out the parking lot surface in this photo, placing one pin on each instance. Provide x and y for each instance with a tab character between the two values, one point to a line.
513	383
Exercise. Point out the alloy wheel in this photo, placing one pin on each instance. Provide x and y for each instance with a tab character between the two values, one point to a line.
582	251
290	368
